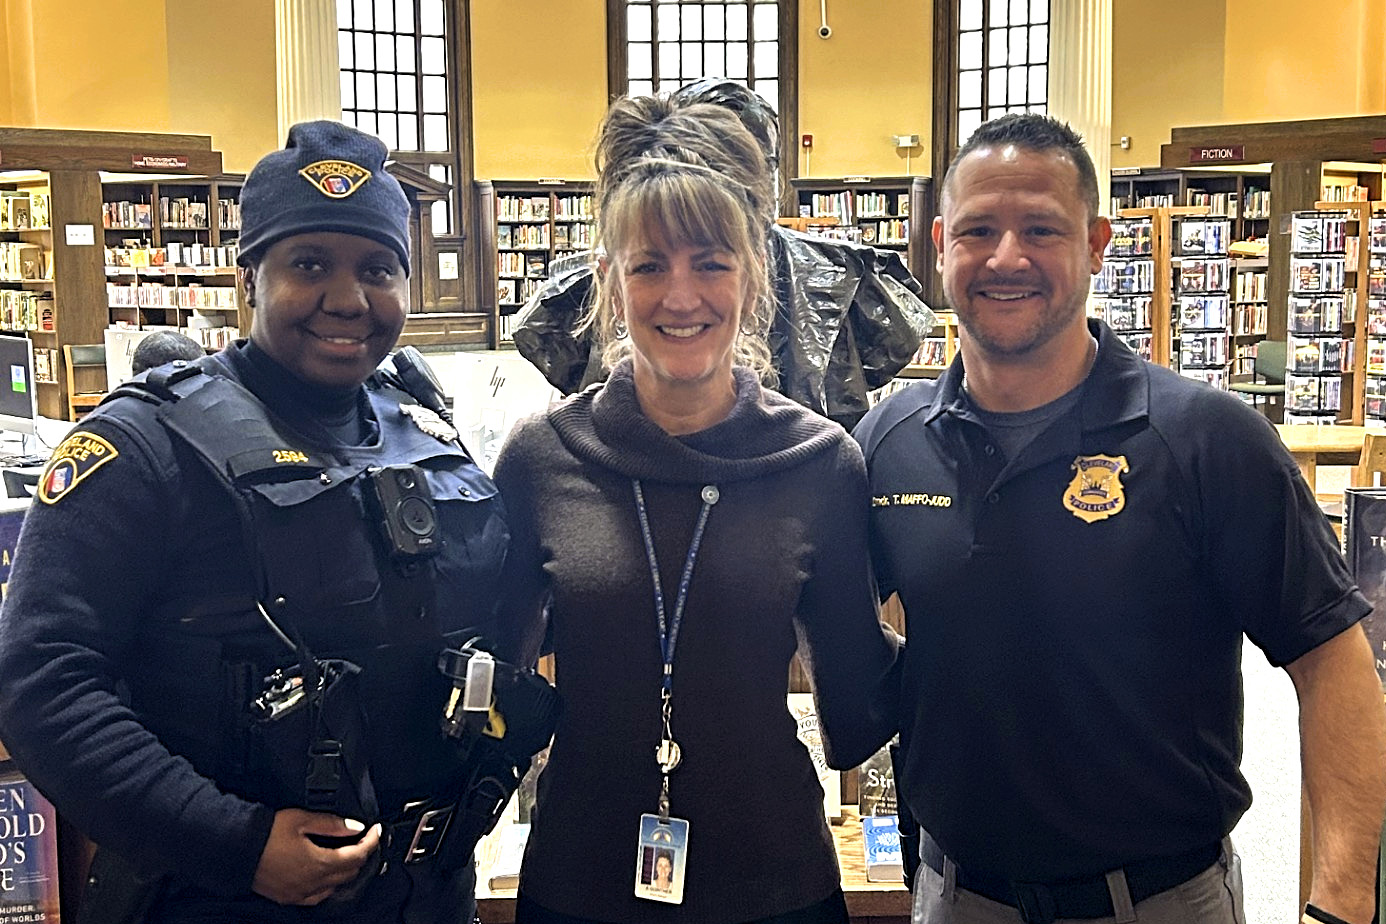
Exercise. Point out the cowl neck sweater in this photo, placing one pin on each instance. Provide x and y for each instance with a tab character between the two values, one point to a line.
764	433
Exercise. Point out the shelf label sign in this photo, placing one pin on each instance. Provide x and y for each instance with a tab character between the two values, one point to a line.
80	235
159	161
1212	155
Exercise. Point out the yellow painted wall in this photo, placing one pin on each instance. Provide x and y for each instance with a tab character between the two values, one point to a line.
1286	61
1167	70
221	81
101	64
538	86
869	81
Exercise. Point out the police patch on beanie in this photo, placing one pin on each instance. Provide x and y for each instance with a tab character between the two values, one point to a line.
328	177
336	178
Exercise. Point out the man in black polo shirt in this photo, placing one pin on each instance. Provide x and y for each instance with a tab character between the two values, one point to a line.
1080	541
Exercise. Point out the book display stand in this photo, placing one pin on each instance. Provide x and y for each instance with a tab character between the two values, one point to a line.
1374	397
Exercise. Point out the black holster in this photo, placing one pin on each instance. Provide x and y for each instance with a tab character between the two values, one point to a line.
117	893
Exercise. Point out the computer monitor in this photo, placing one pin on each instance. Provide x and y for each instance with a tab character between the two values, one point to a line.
18	401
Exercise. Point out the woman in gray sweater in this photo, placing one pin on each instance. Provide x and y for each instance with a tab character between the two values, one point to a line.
684	529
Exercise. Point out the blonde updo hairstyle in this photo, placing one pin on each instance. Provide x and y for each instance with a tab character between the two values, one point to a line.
679	174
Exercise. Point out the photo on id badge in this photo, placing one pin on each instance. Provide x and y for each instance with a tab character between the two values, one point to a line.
660	862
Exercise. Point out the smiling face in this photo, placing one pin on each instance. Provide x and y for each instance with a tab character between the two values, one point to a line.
1017	249
328	306
682	304
664	868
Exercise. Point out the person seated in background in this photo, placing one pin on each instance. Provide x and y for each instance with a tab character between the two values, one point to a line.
164	346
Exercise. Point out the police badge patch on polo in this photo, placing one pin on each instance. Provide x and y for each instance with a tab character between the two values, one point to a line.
75	458
1096	491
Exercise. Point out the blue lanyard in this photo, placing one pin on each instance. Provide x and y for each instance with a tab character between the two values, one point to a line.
669	628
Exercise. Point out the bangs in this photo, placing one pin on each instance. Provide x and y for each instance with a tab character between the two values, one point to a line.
672	210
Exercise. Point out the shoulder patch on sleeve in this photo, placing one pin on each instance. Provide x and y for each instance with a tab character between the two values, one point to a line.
75	458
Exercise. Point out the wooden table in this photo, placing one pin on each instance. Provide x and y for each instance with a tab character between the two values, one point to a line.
1312	445
867	902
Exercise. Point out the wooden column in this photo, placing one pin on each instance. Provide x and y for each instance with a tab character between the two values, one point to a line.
305	40
1294	186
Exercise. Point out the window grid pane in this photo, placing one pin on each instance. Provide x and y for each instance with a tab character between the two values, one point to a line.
670	43
385	49
1002	62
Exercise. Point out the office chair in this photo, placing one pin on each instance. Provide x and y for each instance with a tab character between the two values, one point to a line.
20	483
1270	366
83	360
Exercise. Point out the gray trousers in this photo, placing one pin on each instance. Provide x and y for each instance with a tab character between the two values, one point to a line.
1214	896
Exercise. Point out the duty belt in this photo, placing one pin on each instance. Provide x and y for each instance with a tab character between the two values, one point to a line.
1045	902
419	830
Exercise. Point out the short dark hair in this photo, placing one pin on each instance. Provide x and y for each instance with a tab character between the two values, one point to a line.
164	346
1041	134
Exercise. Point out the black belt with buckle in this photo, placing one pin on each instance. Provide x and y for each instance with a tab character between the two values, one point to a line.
419	830
1042	903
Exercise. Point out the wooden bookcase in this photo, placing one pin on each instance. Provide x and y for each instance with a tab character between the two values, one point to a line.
170	255
877	211
68	167
1243	197
526	226
1249	315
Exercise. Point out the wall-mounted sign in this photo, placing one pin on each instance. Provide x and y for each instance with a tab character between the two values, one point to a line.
1213	155
159	161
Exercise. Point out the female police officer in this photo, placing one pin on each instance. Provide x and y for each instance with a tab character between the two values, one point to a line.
278	506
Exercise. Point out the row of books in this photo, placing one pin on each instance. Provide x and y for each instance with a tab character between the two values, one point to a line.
1256	203
1317	274
1131	237
522	237
515	292
1249	319
830	205
1250	285
1350	193
22	210
518	264
1314	355
1125	314
21	262
1125	277
1198	275
573	208
1313	398
21	310
1318	232
155	295
892	232
522	208
882	205
572	237
1206	236
1202	350
172	255
1203	312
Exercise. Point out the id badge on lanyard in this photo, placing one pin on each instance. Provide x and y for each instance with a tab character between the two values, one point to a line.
662	851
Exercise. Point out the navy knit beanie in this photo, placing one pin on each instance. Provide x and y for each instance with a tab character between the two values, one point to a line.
329	177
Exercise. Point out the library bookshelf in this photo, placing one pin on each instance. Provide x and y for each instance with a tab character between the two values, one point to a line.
527	227
61	171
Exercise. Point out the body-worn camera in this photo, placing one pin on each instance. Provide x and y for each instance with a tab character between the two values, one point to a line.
399	500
